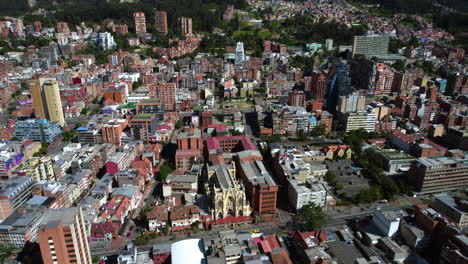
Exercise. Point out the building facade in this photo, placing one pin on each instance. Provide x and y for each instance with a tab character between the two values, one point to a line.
62	237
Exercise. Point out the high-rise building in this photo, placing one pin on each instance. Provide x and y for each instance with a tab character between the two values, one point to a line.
402	81
339	86
296	98
164	92
140	22
240	54
160	21
143	126
383	79
62	27
185	25
351	103
106	41
329	44
62	237
46	100
318	84
371	45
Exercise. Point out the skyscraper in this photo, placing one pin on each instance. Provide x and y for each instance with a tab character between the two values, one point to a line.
240	55
160	21
383	79
185	25
329	44
46	100
370	46
140	22
62	237
318	85
339	86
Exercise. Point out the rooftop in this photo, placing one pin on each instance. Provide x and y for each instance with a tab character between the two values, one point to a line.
65	216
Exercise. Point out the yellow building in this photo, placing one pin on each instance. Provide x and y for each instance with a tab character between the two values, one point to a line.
36	93
46	100
226	192
38	168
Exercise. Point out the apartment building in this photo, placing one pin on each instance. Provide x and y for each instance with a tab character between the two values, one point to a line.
438	174
62	237
13	193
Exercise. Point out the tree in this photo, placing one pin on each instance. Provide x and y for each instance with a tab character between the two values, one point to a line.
85	110
15	139
312	216
301	135
179	124
164	171
318	130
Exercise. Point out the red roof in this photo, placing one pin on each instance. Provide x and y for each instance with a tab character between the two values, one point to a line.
265	246
273	241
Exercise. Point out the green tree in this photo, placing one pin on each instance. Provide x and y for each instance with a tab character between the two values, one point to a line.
164	171
84	111
312	216
179	124
302	135
318	130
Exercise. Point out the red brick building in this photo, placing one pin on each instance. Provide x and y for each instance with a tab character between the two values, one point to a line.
165	92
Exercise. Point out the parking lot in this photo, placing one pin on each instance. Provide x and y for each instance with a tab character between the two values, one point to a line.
345	253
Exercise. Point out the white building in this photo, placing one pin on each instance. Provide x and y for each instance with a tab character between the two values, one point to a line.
387	220
301	194
106	41
329	44
240	54
364	120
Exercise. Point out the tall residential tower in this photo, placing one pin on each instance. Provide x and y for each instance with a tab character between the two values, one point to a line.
46	100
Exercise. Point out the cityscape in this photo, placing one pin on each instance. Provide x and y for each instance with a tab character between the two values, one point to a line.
234	131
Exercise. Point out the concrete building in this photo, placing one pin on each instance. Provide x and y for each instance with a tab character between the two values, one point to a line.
393	160
160	22
143	126
62	237
387	220
22	225
13	193
351	103
371	45
455	210
300	194
437	174
151	106
140	22
46	100
329	44
365	120
240	54
37	168
106	41
38	130
383	79
185	25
